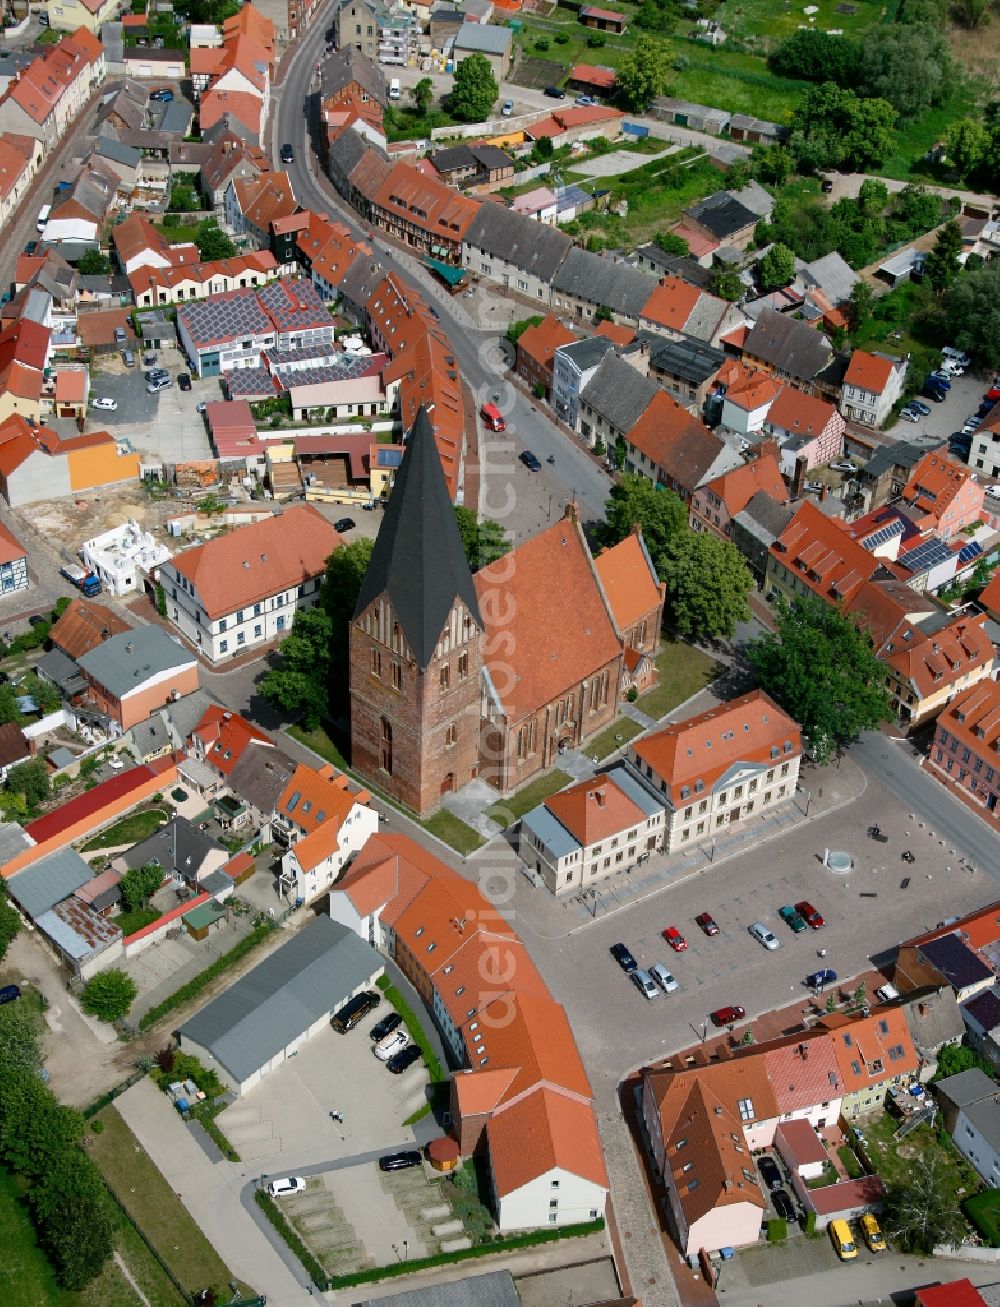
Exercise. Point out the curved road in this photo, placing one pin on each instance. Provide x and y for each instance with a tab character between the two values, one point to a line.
480	359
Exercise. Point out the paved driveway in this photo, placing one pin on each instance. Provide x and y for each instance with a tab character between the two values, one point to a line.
168	425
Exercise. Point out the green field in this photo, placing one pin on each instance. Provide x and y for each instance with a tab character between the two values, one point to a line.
615	737
506	811
130	830
684	670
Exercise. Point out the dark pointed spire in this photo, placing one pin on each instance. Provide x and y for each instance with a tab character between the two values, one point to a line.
418	561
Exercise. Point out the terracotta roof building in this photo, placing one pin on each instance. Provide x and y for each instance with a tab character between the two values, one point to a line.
634	592
243	589
720	767
221	739
942	496
872	384
966	748
928	665
674	449
536	349
524	1099
677	309
808	429
84	625
716	503
320	823
815	554
13	563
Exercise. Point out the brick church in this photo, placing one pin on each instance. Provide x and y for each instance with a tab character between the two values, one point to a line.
455	676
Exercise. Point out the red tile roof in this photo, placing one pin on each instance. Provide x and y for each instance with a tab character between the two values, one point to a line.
545	1131
676	442
868	372
253	562
11	548
821	554
89	804
699	750
225	736
595	809
630	582
929	663
615	331
540	342
594	75
738	487
805	415
671	303
934	485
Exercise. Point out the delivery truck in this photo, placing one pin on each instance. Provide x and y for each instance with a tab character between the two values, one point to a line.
86	582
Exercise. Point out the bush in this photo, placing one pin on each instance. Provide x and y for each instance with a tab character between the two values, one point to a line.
561	38
809	1225
97	1126
596	41
274	1214
542	44
109	995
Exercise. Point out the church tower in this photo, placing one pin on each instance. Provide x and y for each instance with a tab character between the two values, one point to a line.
416	642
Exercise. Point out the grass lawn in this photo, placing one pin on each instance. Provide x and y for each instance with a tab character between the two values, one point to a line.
455	832
26	1278
896	1160
507	811
763	23
153	1205
684	671
130	830
654	201
320	742
850	1162
130	922
615	737
983	1210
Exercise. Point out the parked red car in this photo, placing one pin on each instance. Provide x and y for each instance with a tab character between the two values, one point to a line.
707	922
814	918
725	1016
675	939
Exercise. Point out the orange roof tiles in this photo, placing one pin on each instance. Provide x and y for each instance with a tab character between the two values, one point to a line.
253	562
265	198
564	120
990	596
696	752
868	372
675	441
616	332
13	163
10	547
931	662
798	1082
540	342
560	626
247	109
671	303
481	1091
425	203
593	75
146	278
884	607
800	413
318	802
822	555
872	1049
544	1132
84	625
224	737
71	386
933	485
250	22
594	809
738	487
749	388
629	579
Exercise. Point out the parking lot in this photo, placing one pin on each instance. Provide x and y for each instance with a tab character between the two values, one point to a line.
168	425
961	402
867	912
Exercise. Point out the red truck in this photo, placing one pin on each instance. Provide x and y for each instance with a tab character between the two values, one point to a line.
492	418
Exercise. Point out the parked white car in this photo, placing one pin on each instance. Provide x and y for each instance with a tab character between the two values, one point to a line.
763	936
105	405
289	1184
392	1044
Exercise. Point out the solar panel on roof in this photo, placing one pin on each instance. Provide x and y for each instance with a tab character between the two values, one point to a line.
390	457
927	555
970	551
882	535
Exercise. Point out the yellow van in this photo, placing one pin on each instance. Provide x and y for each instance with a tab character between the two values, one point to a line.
843	1240
871	1233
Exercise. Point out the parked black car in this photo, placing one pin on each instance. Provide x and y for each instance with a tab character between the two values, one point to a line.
404	1059
9	992
344	524
554	93
399	1161
769	1170
385	1027
783	1205
624	958
184	380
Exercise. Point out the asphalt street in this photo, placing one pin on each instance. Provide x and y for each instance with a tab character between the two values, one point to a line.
575	473
894	766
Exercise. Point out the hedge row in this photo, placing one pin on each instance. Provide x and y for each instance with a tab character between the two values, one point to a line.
463	1255
194	987
271	1210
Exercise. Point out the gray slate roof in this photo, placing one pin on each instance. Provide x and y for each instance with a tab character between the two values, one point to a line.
283	996
967	1086
178	846
528	245
128	660
494	1289
48	881
616	286
260	776
586	353
691	360
418	561
351	65
723	215
678	265
764	518
124	154
788	344
619	393
934	1018
484	38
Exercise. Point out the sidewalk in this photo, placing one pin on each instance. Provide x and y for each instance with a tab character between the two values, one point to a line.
211	1193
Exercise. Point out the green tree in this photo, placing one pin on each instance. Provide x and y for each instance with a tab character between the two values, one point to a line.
727	284
299	685
543	149
73	1213
914	211
954	1058
212	241
34	1127
109	995
483	540
772	164
140	884
672	243
967	143
777	267
8	704
31	779
821	670
423	94
643	72
971	13
474	90
909	66
708	585
94	264
345	570
922	1212
859	304
972	316
516	330
183	198
816	57
10	924
21	1027
635	501
834	126
942	263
